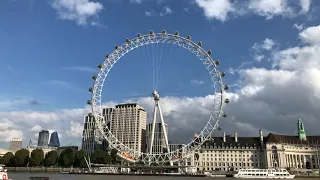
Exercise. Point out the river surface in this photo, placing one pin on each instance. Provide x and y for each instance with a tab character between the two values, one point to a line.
56	176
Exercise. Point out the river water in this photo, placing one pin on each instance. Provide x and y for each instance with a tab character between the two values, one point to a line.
56	176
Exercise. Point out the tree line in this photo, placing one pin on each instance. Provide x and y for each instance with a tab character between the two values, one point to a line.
67	158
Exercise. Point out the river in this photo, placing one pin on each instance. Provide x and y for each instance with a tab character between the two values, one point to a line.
56	176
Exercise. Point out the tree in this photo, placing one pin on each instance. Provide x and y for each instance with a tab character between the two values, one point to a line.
79	159
36	158
51	158
66	158
22	157
6	158
114	156
14	162
100	157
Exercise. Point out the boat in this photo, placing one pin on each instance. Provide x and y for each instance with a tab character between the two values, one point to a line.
263	174
3	173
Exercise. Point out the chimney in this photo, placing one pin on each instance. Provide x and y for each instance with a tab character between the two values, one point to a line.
236	137
261	136
224	137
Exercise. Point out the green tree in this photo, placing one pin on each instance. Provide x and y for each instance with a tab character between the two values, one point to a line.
37	157
14	162
22	157
51	158
114	156
66	158
100	157
79	159
6	158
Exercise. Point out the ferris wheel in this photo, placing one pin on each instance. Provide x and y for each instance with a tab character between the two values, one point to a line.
186	150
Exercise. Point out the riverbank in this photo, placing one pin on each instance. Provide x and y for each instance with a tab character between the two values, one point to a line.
40	169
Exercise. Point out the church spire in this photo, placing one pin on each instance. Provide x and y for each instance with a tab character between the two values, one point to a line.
301	132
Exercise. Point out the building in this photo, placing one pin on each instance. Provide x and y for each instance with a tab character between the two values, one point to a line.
128	125
294	152
54	140
15	145
91	137
159	142
230	153
43	138
45	149
233	153
62	148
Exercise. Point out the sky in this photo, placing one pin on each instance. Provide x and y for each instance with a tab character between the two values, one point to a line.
50	49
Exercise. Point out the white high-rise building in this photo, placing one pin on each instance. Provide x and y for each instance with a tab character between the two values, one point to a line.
159	144
128	125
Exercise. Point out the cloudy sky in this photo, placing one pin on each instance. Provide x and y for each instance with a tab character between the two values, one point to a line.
49	49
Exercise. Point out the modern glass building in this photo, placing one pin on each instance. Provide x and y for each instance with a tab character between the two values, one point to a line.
54	140
43	138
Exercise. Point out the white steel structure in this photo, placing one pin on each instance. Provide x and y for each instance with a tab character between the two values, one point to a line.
163	126
158	38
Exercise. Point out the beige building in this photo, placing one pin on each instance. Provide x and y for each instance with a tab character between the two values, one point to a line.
45	149
233	153
294	152
15	144
128	125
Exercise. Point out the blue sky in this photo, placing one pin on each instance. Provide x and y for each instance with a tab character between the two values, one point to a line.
50	49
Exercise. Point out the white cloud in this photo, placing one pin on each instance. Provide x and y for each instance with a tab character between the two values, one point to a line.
136	1
196	82
80	11
260	48
297	26
75	129
36	128
81	68
305	5
148	13
8	131
166	11
216	9
222	10
311	35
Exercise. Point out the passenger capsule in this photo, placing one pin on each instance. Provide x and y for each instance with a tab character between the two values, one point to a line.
107	56
100	66
91	89
89	102
217	62
151	33
127	40
116	47
200	43
226	87
164	32
90	114
226	101
219	128
139	35
94	77
223	74
189	37
176	33
209	52
224	114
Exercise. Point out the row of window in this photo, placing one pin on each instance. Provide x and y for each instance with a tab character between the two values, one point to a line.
231	159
